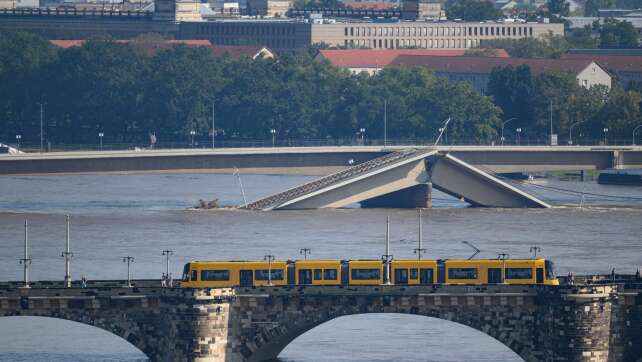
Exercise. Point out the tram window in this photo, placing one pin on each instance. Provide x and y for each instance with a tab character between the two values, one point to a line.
366	274
186	273
277	274
215	275
318	274
519	273
413	273
462	273
330	274
194	275
550	272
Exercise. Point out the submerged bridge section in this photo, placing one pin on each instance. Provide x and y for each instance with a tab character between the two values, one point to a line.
401	179
593	321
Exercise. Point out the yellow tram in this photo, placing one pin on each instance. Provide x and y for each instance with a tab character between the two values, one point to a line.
206	274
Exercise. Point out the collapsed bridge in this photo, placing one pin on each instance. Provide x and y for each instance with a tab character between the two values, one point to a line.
401	179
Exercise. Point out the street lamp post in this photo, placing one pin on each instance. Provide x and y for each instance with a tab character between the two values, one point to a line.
19	137
519	133
192	133
605	130
26	261
101	135
362	132
570	132
270	259
385	122
503	257
635	129
535	250
129	260
42	127
305	252
67	254
166	277
503	124
273	132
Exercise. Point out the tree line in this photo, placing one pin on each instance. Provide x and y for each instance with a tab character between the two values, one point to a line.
126	93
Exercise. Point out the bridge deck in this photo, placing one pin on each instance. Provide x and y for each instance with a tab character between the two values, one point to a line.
278	199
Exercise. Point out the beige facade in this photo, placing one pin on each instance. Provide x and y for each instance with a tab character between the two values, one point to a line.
271	8
425	34
177	10
593	75
7	4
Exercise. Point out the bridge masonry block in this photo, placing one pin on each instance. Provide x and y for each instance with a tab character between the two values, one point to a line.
626	329
577	325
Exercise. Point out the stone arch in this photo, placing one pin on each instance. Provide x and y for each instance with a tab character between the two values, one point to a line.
270	341
122	328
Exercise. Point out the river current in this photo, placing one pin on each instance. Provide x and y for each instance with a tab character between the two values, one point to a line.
141	214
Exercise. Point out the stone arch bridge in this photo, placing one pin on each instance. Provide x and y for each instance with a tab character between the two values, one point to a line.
582	322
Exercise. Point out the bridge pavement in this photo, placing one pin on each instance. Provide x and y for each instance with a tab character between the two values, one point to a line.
593	321
315	160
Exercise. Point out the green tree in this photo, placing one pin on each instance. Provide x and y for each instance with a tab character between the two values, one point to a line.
558	7
512	90
582	38
618	34
552	46
592	6
473	10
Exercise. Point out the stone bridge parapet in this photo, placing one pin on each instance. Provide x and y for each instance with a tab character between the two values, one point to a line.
599	322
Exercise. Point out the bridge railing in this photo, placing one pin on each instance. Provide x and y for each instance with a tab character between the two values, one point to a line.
205	143
57	284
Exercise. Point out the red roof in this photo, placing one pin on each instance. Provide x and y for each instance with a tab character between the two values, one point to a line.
152	47
485	65
162	44
367	58
370	5
238	50
618	63
67	43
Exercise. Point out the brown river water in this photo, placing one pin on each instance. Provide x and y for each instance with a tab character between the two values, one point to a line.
141	214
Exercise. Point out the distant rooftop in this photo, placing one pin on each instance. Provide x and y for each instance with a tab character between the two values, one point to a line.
485	65
376	58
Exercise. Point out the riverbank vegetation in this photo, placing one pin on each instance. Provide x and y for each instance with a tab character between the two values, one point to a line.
126	94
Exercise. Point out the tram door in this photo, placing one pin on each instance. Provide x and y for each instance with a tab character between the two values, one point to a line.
246	278
425	276
401	276
305	276
494	275
539	274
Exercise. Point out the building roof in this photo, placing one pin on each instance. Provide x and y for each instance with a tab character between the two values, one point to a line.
251	51
152	47
77	43
485	65
375	58
370	5
617	63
